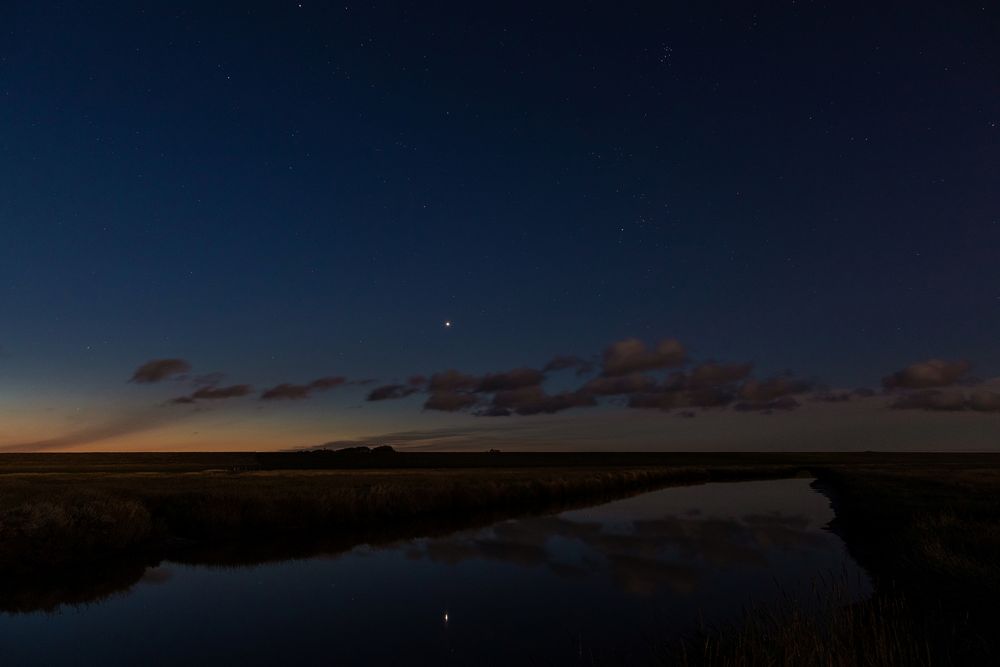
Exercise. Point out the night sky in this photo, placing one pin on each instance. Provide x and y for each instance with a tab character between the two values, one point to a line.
280	225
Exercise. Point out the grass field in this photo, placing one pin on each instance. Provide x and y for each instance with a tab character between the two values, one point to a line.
60	510
926	527
929	535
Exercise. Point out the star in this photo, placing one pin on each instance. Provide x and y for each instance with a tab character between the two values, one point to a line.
447	324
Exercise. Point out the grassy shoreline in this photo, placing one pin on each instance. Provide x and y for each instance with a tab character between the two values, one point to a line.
926	528
50	520
78	537
929	538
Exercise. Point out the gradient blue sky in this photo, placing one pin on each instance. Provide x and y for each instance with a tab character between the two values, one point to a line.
281	191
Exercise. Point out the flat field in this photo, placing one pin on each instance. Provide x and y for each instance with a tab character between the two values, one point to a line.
76	527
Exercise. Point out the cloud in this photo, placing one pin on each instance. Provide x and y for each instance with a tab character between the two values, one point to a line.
324	383
534	401
128	424
626	370
757	393
781	404
391	392
927	374
294	392
841	396
493	411
564	362
214	394
157	370
515	379
449	401
640	556
821	427
217	393
631	355
285	391
453	437
452	391
452	380
631	372
984	401
672	398
710	374
512	398
387	392
708	385
624	384
949	400
651	400
832	397
930	399
208	379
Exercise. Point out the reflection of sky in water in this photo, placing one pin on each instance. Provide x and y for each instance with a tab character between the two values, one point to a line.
674	538
603	580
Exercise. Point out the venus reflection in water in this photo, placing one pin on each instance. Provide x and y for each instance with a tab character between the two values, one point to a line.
601	581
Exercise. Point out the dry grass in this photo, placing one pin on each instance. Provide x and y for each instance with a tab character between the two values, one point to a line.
930	530
930	538
54	519
832	631
926	528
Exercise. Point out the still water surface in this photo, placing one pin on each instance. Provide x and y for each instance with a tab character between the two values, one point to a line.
604	582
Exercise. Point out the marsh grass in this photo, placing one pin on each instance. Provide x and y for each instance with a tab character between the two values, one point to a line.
926	528
933	532
74	537
929	536
50	520
831	629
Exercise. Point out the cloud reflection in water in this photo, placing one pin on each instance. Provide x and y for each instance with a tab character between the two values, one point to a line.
674	551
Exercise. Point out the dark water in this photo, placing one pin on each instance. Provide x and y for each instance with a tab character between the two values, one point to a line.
606	581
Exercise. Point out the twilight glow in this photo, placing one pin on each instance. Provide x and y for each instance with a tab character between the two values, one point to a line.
290	225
